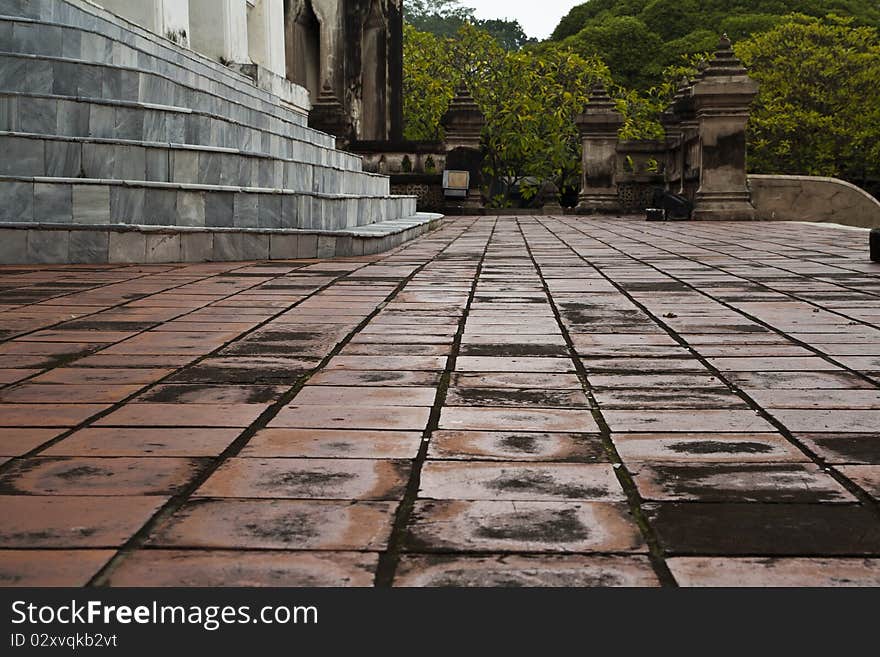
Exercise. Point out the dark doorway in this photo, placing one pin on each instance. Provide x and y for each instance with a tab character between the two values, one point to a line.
302	43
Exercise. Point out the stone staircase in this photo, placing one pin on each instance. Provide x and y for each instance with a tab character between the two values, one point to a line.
120	146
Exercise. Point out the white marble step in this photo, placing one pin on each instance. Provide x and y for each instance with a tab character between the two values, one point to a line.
36	244
131	202
74	157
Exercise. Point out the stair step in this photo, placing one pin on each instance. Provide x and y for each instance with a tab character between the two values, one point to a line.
33	244
77	27
120	146
114	159
97	118
114	202
71	78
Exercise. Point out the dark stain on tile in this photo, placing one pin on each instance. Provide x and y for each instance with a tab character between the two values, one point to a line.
543	526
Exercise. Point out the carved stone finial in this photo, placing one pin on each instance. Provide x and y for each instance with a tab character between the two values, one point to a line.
724	62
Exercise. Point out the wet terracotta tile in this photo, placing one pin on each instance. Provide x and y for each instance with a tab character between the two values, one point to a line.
646	365
513	446
518	380
27	363
99	476
8	375
219	568
211	394
833	421
135	361
23	348
779	572
667	399
333	443
707	448
402	418
101	376
687	421
501	419
131	441
524	571
448	480
387	378
183	415
250	370
65	393
538	398
724	482
492	526
799	380
68	335
47	415
73	522
278	525
810	364
505	364
51	568
382	363
765	529
656	381
319	479
863	448
15	442
817	399
866	477
369	397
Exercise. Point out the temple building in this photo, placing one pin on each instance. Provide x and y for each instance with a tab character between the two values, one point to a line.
348	54
198	130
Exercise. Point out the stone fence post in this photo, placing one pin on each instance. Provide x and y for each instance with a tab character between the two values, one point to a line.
464	123
722	95
598	126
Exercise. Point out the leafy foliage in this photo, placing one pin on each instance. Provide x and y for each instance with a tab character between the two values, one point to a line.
445	18
529	98
638	39
818	111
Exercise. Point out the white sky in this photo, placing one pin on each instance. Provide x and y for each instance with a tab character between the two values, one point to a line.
538	17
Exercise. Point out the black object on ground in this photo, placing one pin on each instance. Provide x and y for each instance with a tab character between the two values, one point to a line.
655	214
677	207
875	244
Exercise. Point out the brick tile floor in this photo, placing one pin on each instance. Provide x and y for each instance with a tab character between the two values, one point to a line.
528	401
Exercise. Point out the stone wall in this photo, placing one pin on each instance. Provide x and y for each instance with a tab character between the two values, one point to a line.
811	198
427	189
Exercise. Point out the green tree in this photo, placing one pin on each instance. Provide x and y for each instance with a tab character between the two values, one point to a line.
818	111
428	84
529	98
605	28
626	45
446	17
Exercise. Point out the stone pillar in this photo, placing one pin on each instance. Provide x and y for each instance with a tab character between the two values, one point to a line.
464	123
219	29
722	96
598	126
265	21
328	115
673	124
329	13
167	18
395	68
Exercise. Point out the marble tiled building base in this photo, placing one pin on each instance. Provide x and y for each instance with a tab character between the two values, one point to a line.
123	147
98	245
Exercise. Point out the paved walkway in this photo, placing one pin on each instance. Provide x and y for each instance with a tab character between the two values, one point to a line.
529	401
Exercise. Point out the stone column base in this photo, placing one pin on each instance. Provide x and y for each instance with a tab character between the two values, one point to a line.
736	206
598	204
